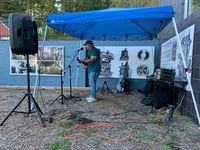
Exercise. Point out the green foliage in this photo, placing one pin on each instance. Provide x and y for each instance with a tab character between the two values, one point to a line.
59	145
88	131
83	5
135	126
40	9
63	133
170	144
67	124
145	137
153	120
196	4
138	126
166	146
124	125
134	3
37	8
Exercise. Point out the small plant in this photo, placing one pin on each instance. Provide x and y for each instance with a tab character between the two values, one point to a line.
170	143
62	133
145	137
197	135
138	126
88	131
130	113
166	146
124	126
67	124
153	120
59	145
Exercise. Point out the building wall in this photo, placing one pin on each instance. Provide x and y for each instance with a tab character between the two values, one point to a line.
70	46
20	80
167	33
178	6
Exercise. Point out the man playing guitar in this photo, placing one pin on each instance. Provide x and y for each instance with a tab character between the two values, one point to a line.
93	63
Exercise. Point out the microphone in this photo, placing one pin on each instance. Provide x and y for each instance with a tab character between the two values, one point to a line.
80	49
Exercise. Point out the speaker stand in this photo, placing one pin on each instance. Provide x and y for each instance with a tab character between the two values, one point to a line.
30	99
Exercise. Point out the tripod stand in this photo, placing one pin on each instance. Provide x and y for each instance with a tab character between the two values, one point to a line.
30	98
103	88
61	96
71	97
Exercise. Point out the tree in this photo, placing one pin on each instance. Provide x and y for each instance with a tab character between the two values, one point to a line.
134	3
196	4
83	5
76	6
38	8
41	8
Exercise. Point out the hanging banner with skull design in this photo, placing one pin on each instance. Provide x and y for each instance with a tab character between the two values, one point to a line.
171	56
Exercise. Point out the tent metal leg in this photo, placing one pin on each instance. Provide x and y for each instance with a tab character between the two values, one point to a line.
38	74
187	74
43	44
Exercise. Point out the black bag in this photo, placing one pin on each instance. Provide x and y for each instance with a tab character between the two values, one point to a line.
162	97
147	101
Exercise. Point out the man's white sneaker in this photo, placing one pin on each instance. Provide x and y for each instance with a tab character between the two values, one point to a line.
88	98
92	99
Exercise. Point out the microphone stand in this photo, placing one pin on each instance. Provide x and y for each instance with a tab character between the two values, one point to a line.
61	97
71	97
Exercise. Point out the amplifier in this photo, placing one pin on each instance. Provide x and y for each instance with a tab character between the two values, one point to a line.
164	74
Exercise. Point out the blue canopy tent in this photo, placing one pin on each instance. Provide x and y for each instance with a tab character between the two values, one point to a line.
113	23
118	24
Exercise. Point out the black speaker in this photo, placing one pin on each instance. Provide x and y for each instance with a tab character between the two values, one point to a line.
23	34
163	96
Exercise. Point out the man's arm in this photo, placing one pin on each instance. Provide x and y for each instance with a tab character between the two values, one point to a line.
92	59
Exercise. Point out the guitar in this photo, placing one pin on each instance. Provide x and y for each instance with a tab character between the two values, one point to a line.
81	62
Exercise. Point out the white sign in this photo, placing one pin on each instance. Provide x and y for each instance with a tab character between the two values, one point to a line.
171	56
138	59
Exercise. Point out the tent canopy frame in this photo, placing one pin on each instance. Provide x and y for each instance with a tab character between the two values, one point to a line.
150	37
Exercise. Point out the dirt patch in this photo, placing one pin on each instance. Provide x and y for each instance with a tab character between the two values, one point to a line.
120	122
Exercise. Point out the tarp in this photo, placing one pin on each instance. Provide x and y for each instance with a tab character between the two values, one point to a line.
113	23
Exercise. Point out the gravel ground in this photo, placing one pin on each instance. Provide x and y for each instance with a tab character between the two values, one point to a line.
130	120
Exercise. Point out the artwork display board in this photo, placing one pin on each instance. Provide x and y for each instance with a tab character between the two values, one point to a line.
47	62
171	56
139	60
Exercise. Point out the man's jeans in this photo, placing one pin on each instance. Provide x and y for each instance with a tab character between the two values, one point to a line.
93	76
